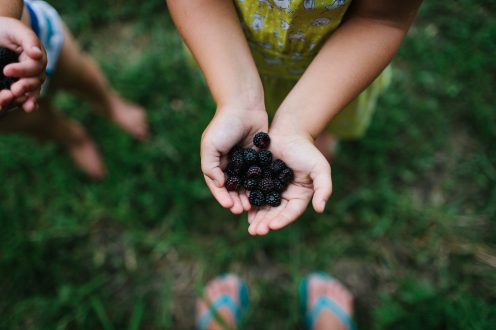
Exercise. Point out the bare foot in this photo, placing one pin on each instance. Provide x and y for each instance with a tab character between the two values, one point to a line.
84	152
327	145
129	116
227	286
321	286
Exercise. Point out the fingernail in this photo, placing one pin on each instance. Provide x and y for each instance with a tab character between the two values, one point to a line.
37	49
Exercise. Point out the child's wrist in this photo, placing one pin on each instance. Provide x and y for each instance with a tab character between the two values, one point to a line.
247	102
246	94
285	125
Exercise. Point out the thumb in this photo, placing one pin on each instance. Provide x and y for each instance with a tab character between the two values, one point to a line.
30	44
210	164
33	50
20	38
322	185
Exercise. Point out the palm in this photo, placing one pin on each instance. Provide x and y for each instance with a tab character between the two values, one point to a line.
227	129
311	178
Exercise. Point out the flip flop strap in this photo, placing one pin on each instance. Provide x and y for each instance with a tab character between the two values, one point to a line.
222	301
324	302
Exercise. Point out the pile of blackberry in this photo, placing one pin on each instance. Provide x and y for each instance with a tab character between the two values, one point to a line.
6	57
256	172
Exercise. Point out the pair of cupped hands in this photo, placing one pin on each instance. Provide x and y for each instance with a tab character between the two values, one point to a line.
29	70
233	126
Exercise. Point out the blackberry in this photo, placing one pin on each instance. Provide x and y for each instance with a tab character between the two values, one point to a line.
254	171
233	183
273	198
278	185
265	184
250	184
286	175
277	166
237	159
264	157
266	172
257	198
261	140
250	156
6	57
232	170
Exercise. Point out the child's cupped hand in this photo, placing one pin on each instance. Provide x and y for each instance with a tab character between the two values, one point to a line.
230	126
30	70
312	177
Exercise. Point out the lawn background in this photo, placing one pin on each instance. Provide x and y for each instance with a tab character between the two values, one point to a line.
410	227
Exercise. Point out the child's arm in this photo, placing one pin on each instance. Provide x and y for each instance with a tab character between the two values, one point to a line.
349	61
213	33
32	59
11	8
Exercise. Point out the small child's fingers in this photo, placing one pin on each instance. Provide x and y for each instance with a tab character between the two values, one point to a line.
237	207
36	52
25	68
33	48
288	213
26	85
244	201
28	102
6	97
21	99
20	36
210	163
31	104
220	194
262	227
322	185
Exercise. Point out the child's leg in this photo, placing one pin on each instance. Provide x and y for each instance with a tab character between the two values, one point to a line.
48	124
78	73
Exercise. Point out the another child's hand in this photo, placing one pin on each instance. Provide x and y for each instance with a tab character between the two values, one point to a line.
30	70
230	126
312	177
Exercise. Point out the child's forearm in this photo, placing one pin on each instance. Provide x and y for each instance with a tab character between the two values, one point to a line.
11	8
348	62
213	33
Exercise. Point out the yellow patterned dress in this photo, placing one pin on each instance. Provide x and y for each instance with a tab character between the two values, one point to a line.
284	37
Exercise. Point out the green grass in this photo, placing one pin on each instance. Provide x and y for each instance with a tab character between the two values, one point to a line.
410	227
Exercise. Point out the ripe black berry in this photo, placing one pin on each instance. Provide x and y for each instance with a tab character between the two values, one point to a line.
257	198
254	171
237	159
286	175
6	57
250	156
278	185
273	199
232	170
250	184
233	183
277	166
266	172
261	140
265	157
265	184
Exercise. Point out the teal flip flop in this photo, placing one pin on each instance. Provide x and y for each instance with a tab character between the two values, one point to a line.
323	302
225	300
